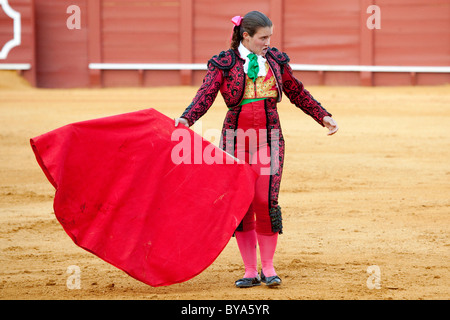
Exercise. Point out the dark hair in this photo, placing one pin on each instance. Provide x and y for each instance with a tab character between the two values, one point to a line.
251	22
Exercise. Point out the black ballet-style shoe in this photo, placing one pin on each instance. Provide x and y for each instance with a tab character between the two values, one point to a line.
272	281
248	282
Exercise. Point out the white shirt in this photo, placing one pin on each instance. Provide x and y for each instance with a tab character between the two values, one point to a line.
244	52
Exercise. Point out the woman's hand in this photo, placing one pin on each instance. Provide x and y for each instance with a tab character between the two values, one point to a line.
330	124
182	121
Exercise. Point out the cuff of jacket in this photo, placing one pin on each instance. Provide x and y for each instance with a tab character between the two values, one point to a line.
190	121
322	115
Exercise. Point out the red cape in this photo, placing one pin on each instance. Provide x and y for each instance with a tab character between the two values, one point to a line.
120	196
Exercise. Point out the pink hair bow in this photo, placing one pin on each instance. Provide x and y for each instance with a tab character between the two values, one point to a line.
237	20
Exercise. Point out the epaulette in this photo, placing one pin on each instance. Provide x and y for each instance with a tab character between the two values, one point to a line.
224	60
280	57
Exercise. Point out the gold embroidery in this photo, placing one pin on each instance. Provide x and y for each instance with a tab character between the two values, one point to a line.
264	87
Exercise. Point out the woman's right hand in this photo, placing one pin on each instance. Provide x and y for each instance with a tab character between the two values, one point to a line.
182	121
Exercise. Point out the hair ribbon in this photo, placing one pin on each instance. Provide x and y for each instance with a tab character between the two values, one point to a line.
237	20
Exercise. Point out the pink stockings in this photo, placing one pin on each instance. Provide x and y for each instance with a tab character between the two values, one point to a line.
267	246
247	241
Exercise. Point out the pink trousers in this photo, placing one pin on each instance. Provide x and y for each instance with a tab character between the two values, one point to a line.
252	147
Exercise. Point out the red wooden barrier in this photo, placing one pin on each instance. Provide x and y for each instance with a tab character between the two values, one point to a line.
24	53
322	32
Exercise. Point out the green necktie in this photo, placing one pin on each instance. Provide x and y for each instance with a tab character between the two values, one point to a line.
253	67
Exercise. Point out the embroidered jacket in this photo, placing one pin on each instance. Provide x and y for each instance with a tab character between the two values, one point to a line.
226	74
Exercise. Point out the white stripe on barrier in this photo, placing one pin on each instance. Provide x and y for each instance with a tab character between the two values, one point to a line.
295	67
317	67
147	66
15	66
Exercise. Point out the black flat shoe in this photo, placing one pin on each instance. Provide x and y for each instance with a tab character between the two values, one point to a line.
248	282
272	281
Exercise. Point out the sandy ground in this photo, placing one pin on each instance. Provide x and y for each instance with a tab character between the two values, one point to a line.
375	194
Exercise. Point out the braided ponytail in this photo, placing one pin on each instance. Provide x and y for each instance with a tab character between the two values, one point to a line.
236	38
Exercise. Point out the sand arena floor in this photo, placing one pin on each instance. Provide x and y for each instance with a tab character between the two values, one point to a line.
375	194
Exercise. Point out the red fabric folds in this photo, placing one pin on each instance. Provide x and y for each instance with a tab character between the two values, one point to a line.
120	195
